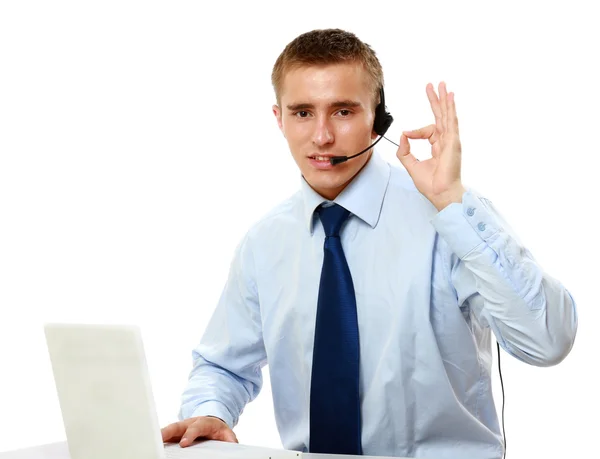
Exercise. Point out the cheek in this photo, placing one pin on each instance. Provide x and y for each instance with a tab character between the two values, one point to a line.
296	134
355	130
347	130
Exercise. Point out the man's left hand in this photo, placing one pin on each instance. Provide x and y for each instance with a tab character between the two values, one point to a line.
437	178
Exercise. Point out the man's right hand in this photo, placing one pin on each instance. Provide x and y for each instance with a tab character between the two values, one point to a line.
205	427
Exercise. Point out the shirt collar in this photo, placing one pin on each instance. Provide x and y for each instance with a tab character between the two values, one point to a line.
363	196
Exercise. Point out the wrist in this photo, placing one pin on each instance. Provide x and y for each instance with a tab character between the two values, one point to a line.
448	197
216	417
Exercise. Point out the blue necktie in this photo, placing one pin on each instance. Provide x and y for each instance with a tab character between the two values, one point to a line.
334	399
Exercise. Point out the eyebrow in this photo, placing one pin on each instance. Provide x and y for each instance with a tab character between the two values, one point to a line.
337	104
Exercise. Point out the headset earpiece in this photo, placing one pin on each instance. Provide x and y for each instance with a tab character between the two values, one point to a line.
383	119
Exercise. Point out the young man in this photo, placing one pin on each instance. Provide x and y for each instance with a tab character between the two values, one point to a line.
372	293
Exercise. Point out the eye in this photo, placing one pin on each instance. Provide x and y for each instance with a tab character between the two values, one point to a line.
344	112
302	113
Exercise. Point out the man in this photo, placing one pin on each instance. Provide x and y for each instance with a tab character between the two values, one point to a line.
371	293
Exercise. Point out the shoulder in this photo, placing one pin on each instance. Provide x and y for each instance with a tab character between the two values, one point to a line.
280	221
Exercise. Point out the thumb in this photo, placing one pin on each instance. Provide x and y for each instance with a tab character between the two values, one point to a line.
404	155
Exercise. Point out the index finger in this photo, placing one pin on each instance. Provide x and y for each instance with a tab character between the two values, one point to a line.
423	133
173	432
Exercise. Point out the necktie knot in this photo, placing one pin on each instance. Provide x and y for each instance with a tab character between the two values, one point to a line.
332	218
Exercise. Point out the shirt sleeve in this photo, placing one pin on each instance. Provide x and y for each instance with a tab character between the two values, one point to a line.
532	315
228	361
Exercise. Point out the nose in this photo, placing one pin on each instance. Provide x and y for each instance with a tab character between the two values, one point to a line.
323	133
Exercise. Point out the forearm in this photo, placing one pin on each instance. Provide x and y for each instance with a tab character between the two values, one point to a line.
532	315
227	363
213	390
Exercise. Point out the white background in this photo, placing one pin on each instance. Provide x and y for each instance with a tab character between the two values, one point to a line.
138	145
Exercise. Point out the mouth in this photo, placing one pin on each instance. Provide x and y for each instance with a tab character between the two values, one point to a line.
322	162
321	157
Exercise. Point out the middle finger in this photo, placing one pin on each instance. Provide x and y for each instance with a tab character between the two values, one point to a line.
173	432
435	106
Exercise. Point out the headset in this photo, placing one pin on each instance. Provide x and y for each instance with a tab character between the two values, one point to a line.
382	122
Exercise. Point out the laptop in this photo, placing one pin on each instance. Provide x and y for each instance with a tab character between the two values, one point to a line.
106	399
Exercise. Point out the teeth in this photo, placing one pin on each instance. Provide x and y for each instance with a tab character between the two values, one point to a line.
321	158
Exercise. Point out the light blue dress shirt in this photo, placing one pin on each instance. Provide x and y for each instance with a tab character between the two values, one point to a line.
430	287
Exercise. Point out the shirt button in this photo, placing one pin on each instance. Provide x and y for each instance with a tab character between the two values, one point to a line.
470	212
481	227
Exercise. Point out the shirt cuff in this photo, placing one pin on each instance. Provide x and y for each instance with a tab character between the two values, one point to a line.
216	409
464	225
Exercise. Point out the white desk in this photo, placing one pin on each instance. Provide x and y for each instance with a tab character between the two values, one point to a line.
60	451
49	451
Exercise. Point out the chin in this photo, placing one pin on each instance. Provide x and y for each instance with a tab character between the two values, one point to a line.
325	181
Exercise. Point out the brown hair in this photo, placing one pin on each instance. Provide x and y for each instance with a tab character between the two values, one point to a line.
327	46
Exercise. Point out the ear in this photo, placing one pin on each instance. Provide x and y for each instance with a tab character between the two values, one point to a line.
277	113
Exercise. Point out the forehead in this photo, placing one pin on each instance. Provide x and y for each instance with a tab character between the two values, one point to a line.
332	81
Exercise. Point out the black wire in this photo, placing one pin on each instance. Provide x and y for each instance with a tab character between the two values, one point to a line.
499	367
503	398
390	140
